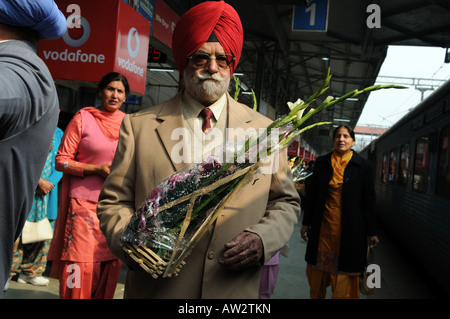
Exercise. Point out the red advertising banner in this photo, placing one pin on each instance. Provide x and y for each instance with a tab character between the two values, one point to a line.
293	148
95	44
133	37
307	156
302	152
164	22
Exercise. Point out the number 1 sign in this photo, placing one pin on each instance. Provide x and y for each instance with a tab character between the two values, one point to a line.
312	17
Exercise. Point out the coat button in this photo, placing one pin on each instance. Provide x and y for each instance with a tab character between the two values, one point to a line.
211	255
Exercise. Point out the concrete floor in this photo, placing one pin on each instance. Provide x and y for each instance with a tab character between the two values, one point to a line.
399	279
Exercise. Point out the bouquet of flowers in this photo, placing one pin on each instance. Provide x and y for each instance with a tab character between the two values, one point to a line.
175	215
299	173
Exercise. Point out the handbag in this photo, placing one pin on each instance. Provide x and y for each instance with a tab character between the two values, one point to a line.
34	232
363	287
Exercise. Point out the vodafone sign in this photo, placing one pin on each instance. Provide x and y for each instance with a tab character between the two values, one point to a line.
102	36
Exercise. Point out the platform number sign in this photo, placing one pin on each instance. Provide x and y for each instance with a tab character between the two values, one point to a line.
313	17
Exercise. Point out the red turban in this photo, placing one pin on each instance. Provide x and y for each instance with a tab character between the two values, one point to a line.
196	25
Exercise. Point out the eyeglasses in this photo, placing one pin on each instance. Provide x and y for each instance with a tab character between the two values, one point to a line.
201	59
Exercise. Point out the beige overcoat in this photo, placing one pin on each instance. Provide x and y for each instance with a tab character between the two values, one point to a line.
268	206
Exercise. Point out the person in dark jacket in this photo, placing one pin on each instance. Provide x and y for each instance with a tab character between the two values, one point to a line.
339	219
29	111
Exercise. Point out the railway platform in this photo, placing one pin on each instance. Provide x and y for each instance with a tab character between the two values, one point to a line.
401	278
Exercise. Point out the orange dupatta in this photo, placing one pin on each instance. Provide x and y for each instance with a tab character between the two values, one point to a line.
339	163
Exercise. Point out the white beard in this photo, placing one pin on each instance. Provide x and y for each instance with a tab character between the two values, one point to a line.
204	87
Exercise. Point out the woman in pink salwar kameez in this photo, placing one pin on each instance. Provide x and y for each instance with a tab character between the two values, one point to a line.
81	259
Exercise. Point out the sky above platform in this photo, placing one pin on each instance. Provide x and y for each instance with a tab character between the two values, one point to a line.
386	107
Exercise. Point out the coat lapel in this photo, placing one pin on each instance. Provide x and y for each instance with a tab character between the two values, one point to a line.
171	118
238	116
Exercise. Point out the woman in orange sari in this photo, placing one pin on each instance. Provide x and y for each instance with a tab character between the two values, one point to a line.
81	258
339	219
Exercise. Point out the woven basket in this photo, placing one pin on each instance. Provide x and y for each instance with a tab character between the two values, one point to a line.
158	266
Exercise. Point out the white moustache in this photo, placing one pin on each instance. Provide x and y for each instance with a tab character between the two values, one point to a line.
208	76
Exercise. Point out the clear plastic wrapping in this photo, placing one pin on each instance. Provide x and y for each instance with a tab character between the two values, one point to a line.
159	220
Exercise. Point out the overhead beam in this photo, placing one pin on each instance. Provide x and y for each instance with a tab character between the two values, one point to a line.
287	2
277	26
408	34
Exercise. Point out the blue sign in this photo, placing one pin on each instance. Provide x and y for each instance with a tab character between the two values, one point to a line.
144	7
313	17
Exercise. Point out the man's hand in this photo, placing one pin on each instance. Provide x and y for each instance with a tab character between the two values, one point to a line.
304	232
374	241
244	251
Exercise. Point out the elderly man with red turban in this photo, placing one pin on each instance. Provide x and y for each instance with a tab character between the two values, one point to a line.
227	261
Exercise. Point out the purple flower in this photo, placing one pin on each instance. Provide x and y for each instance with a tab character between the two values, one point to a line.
209	165
141	224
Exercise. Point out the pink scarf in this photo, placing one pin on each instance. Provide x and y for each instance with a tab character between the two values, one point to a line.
109	122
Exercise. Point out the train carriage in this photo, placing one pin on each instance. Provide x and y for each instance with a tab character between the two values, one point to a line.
411	163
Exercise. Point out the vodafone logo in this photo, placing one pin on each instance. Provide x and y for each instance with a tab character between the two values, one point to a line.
133	34
133	41
86	29
78	55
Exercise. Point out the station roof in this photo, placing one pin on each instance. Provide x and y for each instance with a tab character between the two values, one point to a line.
295	62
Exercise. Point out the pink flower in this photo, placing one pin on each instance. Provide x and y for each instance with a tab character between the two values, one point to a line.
176	179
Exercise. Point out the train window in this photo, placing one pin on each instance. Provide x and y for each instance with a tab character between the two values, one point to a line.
392	166
384	168
443	172
403	166
421	164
